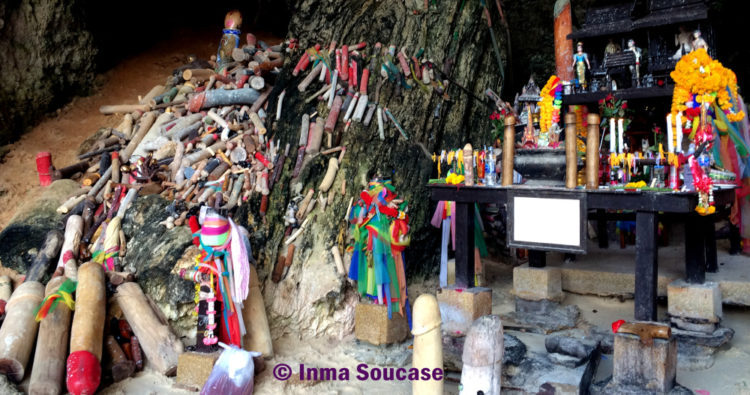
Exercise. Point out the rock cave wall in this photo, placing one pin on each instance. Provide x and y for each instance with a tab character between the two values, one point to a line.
46	55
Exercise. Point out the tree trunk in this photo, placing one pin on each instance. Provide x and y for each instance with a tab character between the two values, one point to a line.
450	32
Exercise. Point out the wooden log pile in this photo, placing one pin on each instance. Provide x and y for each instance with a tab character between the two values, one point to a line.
199	140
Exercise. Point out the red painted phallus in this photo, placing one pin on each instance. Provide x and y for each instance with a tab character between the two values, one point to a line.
616	325
83	373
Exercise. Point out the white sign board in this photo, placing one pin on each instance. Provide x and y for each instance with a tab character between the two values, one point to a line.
551	223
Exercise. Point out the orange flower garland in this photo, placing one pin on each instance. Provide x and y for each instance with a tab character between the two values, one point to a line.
697	74
549	108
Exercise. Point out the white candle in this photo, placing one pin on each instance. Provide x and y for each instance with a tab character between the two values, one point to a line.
679	132
670	143
620	130
612	135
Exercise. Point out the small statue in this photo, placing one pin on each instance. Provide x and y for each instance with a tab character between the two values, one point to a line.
648	80
581	64
611	48
645	147
698	41
635	70
682	40
230	38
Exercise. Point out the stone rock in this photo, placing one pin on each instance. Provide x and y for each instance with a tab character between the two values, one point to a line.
695	350
568	361
515	350
52	57
312	300
152	252
537	373
693	325
607	387
542	316
605	337
721	336
513	355
569	351
27	229
396	355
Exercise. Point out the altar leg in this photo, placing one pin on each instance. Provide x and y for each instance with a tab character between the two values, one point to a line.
646	265
464	245
734	240
601	228
712	264
537	258
695	254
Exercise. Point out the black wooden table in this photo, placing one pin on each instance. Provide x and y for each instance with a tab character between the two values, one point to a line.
700	243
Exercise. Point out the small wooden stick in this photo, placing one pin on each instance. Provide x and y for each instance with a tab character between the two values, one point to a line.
48	371
122	368
123	108
49	250
145	124
155	91
161	346
86	334
19	329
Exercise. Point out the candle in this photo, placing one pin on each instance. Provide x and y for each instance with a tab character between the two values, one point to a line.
620	133
670	142
678	132
612	135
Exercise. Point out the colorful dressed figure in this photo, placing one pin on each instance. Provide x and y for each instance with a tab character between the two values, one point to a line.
683	42
698	41
380	228
611	48
581	64
221	274
635	70
230	38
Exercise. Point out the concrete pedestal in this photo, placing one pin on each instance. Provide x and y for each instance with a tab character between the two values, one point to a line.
193	369
371	324
459	307
695	307
538	283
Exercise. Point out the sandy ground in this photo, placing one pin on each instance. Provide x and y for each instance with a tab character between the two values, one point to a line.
730	373
61	133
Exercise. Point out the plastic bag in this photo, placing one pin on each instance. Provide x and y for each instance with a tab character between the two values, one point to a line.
233	373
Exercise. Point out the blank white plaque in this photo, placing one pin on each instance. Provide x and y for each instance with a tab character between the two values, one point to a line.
547	221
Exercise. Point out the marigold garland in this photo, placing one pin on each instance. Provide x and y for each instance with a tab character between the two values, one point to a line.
702	83
700	79
549	108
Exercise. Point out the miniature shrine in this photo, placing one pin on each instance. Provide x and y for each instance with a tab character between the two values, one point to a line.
631	47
